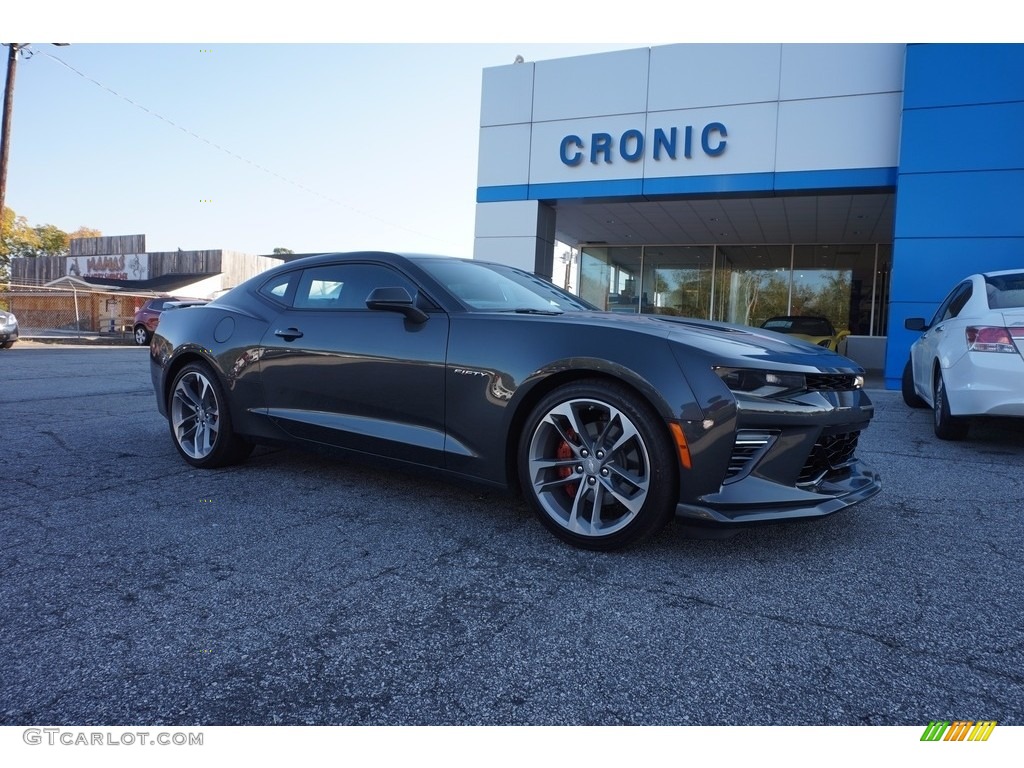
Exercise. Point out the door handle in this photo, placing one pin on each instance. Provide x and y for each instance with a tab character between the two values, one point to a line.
289	334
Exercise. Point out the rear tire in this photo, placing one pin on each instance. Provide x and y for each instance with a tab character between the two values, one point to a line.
910	396
597	466
200	420
141	335
947	426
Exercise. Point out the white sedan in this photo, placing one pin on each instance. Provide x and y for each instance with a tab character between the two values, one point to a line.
969	360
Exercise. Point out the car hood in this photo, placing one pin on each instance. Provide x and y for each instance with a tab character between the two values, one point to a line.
741	344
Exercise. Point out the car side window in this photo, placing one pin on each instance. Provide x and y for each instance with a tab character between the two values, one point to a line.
958	302
961	300
277	288
1005	291
955	302
346	286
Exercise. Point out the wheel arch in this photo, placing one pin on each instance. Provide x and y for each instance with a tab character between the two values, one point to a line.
180	361
549	383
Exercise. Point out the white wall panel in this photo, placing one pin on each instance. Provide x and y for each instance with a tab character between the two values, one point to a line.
599	84
512	218
847	132
546	165
507	95
840	69
518	252
750	146
686	76
504	155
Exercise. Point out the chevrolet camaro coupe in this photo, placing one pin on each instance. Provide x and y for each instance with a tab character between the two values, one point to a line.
609	424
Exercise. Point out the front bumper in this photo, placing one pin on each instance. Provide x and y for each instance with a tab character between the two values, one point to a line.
789	460
756	500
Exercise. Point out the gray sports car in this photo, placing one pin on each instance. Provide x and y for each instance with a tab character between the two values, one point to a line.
609	423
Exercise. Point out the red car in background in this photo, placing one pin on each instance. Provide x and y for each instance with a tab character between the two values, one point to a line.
148	315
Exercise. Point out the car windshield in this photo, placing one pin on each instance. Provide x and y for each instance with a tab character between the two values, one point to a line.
806	326
493	287
1005	291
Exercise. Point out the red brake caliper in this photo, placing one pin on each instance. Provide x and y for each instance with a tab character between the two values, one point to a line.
564	451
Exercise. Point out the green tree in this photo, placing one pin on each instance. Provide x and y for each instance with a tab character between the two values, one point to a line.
19	238
283	250
84	232
53	241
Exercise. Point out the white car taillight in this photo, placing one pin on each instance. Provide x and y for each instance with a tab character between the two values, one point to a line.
987	338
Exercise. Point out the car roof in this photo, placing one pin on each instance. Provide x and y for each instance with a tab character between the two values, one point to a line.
388	257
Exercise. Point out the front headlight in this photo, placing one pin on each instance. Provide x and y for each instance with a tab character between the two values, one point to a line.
761	383
10	321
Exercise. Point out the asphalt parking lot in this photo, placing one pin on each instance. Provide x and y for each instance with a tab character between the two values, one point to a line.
300	590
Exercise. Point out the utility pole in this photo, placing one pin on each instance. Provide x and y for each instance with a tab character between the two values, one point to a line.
5	136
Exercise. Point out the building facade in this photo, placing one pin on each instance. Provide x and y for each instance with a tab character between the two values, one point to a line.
739	182
103	281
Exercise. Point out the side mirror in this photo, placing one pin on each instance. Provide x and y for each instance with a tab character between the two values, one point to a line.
915	324
396	299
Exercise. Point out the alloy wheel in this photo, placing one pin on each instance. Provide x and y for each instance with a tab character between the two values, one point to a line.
195	415
589	467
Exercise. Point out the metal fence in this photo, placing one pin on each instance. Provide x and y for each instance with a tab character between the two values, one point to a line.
69	310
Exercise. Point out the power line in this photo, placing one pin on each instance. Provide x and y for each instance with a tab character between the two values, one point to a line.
235	155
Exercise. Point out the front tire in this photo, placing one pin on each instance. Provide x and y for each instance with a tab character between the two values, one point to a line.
910	396
947	426
200	420
141	335
597	466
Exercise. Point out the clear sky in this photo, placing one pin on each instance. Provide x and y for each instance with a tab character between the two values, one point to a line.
309	127
248	147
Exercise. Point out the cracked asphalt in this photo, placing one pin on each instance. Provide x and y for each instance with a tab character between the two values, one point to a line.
301	590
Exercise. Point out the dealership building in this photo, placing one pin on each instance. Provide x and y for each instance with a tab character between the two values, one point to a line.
740	182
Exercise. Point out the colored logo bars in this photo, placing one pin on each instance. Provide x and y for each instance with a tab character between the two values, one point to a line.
959	730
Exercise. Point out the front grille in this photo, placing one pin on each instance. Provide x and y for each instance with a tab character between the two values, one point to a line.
830	453
831	382
749	447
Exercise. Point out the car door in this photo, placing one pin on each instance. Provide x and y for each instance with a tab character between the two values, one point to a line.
938	341
338	373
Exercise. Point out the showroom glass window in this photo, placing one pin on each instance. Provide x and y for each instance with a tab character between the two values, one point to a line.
743	284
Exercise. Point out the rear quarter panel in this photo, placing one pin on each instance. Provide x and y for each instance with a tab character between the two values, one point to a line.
227	338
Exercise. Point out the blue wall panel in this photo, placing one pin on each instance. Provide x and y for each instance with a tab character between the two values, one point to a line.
926	270
960	192
975	138
959	204
939	75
